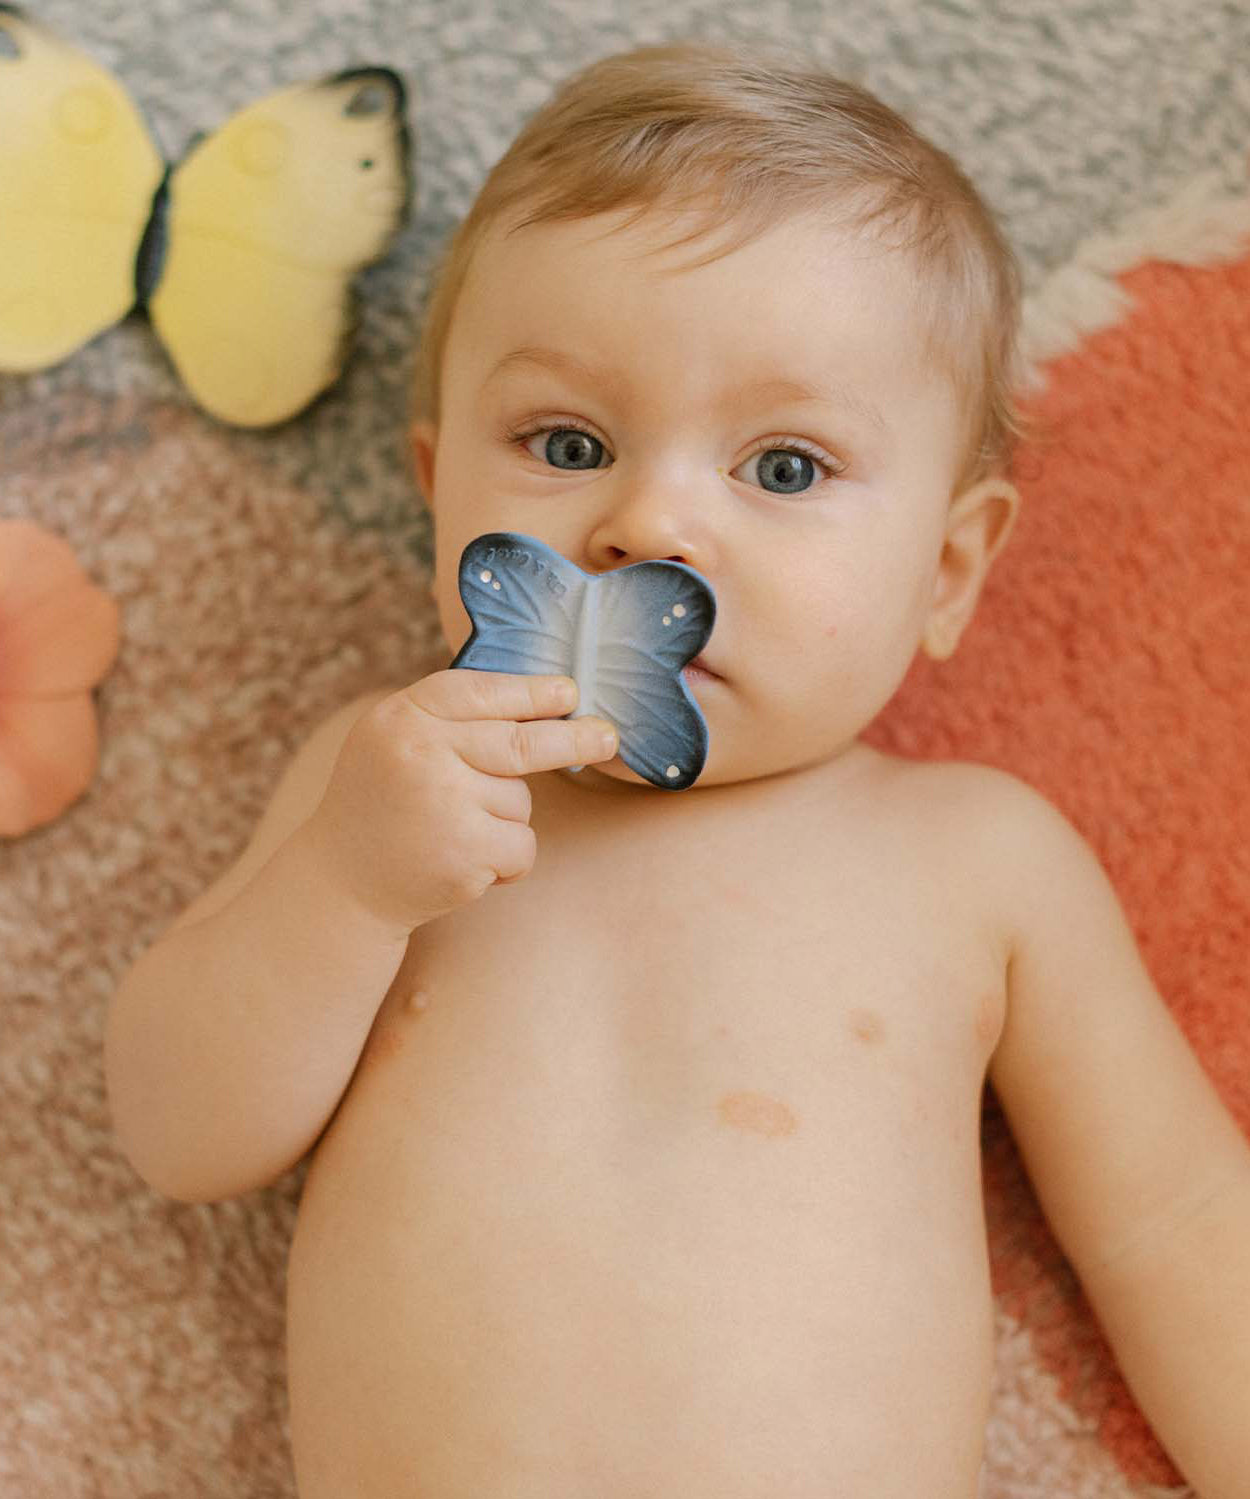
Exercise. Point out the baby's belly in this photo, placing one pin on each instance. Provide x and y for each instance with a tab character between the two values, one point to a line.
527	1269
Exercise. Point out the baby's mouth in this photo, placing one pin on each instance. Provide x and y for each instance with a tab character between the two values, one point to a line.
699	669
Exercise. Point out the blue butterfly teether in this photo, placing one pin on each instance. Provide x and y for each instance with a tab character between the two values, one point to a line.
623	636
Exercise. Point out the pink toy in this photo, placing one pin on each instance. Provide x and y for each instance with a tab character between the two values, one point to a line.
58	636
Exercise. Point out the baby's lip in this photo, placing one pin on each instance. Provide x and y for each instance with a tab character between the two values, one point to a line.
700	664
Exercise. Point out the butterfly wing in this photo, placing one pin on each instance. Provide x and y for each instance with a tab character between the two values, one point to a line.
524	601
78	172
653	618
270	217
624	636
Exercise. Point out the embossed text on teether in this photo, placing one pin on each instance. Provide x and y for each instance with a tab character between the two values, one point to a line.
521	559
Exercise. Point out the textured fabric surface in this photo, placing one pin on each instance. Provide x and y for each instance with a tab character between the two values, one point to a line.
265	577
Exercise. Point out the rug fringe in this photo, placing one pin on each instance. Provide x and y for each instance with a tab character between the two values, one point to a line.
1201	225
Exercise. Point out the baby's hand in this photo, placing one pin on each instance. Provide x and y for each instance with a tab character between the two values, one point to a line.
425	808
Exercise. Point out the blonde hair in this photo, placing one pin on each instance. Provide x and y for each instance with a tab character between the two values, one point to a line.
755	139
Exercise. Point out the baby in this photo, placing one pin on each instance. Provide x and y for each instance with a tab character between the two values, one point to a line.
646	1122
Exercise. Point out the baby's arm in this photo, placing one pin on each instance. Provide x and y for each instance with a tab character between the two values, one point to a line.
1142	1172
232	1036
232	1039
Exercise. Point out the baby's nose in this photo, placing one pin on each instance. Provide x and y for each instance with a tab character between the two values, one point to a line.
652	522
616	548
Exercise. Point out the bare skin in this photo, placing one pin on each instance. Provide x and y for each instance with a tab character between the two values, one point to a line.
700	1220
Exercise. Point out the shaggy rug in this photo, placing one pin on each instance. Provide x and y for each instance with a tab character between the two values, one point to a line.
265	577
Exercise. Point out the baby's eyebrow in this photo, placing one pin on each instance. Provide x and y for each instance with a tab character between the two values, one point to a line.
553	359
771	388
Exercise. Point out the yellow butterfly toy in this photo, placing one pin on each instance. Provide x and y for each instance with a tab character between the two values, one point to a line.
242	253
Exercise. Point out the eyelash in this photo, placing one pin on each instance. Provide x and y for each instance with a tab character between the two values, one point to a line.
518	436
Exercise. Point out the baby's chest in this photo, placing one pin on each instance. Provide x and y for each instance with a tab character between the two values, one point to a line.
715	982
758	1062
706	1101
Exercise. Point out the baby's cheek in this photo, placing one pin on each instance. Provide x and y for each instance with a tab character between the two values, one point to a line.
452	617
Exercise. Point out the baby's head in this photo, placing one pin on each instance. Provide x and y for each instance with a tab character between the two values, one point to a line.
727	309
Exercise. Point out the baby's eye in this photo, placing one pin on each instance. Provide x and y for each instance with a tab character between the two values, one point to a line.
787	468
564	447
790	469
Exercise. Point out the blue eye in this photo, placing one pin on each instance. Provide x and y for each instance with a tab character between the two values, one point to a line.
790	467
568	447
789	472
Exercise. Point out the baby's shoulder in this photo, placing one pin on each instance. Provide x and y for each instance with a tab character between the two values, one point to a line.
965	797
998	833
987	810
967	793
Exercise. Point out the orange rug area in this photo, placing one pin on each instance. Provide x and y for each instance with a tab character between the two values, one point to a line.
1109	666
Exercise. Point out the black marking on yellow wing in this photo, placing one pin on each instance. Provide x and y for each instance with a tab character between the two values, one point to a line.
150	261
393	85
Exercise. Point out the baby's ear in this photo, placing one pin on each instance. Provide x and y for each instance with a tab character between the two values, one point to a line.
977	527
424	438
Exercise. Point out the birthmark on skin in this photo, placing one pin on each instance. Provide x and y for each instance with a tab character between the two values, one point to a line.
758	1114
867	1025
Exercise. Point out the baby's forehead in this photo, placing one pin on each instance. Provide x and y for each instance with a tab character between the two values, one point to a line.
807	275
823	323
662	239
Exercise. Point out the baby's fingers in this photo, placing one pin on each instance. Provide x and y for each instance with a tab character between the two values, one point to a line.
468	694
520	749
515	848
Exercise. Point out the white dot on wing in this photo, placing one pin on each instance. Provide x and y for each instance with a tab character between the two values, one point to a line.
672	772
485	576
679	610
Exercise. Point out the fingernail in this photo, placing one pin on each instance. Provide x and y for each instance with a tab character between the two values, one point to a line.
607	742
